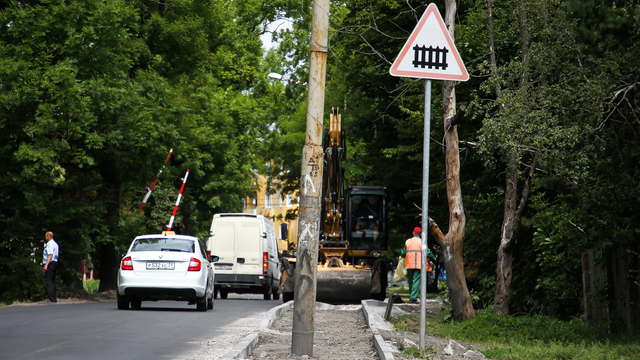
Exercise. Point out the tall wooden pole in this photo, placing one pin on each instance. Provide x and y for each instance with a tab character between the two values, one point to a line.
311	189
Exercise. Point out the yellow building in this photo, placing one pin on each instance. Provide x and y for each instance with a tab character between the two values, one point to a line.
274	207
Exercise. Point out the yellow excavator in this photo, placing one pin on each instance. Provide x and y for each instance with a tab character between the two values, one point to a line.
353	237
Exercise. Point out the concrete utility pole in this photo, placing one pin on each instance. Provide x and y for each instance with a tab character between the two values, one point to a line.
311	189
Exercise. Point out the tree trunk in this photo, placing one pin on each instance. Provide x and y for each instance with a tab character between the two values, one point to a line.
509	231
109	260
452	243
505	250
511	219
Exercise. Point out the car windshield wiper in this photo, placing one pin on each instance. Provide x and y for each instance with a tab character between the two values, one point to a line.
169	249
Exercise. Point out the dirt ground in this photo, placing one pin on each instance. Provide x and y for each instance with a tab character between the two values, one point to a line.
341	334
437	348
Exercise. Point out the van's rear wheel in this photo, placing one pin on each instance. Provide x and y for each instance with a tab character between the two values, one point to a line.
223	294
267	293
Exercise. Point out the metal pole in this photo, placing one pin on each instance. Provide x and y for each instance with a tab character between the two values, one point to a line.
425	213
311	189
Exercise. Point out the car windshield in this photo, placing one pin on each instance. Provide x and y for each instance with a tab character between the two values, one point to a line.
164	244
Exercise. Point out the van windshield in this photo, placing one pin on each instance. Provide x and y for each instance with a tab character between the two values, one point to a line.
164	244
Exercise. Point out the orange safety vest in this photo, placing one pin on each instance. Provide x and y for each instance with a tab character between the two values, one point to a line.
414	253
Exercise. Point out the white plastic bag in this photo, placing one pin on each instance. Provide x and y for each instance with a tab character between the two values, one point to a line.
401	271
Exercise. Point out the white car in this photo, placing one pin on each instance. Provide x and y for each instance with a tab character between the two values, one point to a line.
166	267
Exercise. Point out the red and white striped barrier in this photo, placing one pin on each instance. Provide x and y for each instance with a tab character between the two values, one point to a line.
150	189
173	216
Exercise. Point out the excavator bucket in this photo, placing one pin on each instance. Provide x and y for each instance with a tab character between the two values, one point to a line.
338	283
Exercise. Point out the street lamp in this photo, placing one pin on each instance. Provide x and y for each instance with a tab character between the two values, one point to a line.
280	77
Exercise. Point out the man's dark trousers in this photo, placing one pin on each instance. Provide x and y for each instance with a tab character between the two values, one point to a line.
50	276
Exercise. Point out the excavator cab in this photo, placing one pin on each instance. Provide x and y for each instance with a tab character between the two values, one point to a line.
367	214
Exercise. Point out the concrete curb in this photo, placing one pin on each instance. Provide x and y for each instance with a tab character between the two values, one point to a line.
382	348
274	314
243	348
246	345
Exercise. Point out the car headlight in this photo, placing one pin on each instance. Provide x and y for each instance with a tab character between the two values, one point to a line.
377	254
293	253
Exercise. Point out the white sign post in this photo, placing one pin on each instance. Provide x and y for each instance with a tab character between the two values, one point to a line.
429	54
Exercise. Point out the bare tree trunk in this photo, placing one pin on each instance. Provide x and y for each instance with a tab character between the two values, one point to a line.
508	233
505	250
452	243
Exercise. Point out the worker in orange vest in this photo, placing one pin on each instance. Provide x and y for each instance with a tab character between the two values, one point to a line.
413	261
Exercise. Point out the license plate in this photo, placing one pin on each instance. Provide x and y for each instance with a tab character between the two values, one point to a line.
224	267
161	265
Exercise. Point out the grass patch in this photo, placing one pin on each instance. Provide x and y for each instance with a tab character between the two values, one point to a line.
399	289
415	352
528	337
405	290
91	286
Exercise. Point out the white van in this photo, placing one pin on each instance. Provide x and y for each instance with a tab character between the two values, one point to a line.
248	251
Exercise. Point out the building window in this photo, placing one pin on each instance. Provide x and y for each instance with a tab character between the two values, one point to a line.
267	201
289	200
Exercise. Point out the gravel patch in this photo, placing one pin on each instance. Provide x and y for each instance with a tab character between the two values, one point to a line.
341	334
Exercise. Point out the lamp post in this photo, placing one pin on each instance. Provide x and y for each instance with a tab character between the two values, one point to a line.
280	77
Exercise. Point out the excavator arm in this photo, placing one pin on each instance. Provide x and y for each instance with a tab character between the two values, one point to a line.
333	203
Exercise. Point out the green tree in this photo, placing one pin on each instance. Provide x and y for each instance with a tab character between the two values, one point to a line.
94	96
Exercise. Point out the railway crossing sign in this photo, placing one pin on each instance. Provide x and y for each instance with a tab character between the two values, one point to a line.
430	53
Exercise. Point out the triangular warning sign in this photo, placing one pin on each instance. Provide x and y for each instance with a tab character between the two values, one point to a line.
429	53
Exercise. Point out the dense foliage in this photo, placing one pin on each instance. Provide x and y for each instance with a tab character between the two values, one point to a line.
93	96
576	109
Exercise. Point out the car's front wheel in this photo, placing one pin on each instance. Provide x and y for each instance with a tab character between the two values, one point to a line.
123	302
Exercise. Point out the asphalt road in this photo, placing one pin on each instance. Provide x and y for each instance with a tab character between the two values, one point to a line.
97	330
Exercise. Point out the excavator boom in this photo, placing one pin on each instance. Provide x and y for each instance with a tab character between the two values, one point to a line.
353	236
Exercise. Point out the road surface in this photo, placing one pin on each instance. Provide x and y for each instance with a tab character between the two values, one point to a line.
97	330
